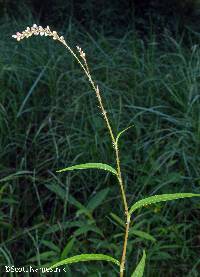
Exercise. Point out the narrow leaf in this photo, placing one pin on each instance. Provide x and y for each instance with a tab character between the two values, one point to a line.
97	199
141	234
140	267
67	248
64	196
2	190
61	226
81	207
15	175
51	245
118	219
120	133
31	90
43	256
161	255
85	258
87	228
160	198
89	166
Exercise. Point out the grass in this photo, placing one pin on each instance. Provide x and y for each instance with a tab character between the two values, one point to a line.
49	120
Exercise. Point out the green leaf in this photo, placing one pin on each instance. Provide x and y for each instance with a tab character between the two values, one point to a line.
141	234
61	226
89	166
97	199
43	256
118	219
81	207
67	248
58	190
87	228
2	190
120	133
159	198
31	90
161	255
85	258
65	197
140	267
51	245
16	175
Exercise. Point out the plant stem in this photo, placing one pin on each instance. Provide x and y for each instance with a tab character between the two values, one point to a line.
123	259
114	142
86	70
120	179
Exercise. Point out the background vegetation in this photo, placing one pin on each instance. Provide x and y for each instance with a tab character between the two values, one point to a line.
146	59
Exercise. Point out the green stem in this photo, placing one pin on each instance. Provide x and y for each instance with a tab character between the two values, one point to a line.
123	258
115	144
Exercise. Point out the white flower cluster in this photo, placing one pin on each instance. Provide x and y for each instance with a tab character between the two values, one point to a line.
82	54
37	30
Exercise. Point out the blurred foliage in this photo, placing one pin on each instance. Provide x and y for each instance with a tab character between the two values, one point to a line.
110	15
49	119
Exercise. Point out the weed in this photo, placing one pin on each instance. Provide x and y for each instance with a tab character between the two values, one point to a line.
81	59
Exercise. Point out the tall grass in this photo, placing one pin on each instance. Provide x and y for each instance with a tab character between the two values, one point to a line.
49	119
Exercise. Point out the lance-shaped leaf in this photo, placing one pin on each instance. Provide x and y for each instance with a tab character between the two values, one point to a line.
160	198
89	166
16	175
140	267
118	220
67	248
120	133
141	234
97	199
86	258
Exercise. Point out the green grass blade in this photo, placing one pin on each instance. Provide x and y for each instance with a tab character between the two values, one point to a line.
31	90
83	230
140	267
141	234
15	175
159	198
86	258
118	220
61	193
67	248
2	190
89	166
97	199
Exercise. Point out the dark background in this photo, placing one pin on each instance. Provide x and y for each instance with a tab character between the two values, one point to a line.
112	16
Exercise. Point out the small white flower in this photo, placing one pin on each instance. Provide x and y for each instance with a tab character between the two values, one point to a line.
38	30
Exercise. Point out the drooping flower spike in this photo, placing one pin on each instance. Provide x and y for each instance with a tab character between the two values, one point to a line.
37	30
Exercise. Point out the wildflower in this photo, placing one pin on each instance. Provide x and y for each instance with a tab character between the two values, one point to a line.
82	54
37	30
